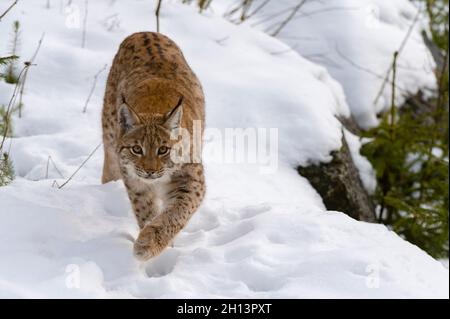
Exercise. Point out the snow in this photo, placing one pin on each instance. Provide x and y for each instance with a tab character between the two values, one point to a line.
257	235
355	40
366	172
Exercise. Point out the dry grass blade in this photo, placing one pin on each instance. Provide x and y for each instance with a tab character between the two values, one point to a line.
79	167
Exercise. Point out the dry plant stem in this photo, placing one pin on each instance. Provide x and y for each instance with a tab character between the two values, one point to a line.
261	6
391	132
22	85
289	18
158	10
46	168
244	5
50	160
18	89
399	51
7	10
93	87
364	69
393	107
81	166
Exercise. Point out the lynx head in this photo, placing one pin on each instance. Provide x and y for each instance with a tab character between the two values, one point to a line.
144	146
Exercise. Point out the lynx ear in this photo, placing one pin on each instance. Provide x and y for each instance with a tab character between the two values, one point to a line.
173	118
127	118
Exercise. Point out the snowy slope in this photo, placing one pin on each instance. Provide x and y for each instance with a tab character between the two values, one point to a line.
355	40
256	235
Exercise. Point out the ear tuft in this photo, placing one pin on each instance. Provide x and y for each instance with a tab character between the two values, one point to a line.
173	118
126	118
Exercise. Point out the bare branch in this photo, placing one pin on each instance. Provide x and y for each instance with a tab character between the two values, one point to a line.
158	10
50	160
30	62
9	9
367	70
399	51
81	166
289	18
94	84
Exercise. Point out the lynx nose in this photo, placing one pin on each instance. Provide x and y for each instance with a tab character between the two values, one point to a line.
149	173
153	174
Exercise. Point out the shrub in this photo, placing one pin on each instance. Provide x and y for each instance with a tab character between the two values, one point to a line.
410	153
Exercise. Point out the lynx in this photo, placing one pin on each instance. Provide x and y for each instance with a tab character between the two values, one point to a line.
151	91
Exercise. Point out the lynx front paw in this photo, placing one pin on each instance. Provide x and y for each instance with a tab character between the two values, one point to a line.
149	243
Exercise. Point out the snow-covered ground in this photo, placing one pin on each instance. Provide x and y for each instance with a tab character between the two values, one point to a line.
256	235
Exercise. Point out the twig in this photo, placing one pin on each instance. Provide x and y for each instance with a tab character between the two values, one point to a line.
246	4
22	85
81	166
441	81
46	169
9	9
289	18
158	9
393	107
257	9
93	87
399	51
362	68
50	160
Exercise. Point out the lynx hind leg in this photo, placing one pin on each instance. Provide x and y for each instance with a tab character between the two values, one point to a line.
111	170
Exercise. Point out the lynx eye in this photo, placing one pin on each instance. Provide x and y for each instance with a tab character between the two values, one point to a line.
163	150
136	150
